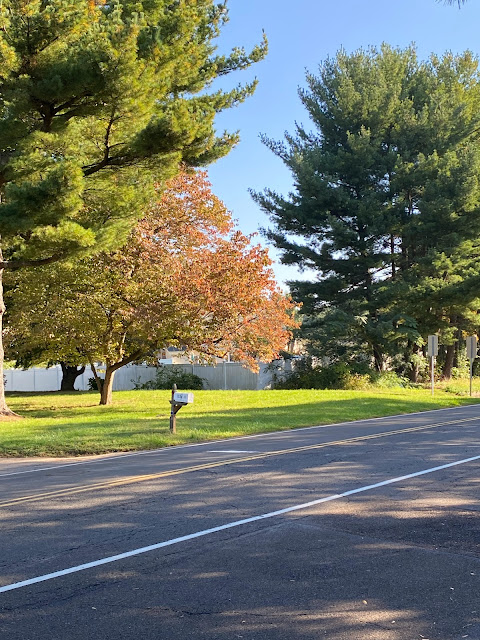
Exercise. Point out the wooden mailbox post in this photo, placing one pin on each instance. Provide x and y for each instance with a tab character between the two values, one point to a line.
178	401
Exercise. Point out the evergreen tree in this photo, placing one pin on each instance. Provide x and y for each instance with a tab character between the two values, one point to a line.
386	187
97	100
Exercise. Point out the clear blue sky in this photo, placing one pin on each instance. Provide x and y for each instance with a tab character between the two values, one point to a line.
301	34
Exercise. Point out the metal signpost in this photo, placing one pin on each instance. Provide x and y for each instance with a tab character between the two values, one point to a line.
471	355
432	353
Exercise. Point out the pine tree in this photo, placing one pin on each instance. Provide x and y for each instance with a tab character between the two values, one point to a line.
385	186
98	100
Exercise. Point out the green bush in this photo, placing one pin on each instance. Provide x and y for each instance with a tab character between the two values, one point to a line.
358	382
166	377
92	384
338	376
389	380
456	389
306	376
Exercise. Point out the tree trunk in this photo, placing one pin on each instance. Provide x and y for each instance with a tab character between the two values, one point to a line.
413	374
69	375
392	255
457	348
378	359
107	386
415	368
447	367
98	380
4	409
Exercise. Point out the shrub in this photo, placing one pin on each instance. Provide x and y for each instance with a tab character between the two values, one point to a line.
338	376
306	376
456	389
92	384
389	380
166	377
358	382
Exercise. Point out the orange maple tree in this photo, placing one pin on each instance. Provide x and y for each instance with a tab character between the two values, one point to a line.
186	277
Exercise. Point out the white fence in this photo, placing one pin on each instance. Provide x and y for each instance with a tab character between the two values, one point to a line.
226	375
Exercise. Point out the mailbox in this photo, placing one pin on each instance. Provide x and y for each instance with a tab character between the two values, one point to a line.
182	398
178	401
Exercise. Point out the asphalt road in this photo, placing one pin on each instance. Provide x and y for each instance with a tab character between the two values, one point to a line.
366	530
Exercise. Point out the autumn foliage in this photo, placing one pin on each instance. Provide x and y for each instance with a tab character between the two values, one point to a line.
226	297
186	277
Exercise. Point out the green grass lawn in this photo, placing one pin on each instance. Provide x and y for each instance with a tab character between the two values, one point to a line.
58	424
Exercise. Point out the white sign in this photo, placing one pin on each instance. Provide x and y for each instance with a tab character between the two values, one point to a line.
432	346
183	398
471	347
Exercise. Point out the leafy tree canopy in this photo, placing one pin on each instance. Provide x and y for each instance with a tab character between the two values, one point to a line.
385	206
185	277
95	98
98	100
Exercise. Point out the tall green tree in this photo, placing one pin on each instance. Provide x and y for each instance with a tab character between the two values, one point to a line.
98	99
386	193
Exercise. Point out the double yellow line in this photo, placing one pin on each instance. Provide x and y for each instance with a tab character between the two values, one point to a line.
122	482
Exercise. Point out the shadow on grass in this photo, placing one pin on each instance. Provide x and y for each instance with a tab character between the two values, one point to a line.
87	429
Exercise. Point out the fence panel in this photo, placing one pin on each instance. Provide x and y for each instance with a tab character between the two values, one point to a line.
126	377
226	375
35	379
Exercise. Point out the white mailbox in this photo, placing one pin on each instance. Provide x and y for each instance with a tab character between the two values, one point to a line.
182	398
178	401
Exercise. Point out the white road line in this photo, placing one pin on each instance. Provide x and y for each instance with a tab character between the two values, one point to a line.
285	432
223	527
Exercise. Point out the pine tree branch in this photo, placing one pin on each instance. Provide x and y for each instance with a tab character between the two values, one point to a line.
14	265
